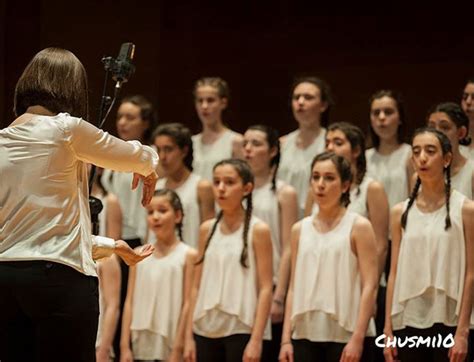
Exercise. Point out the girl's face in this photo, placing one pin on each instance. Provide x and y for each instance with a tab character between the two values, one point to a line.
171	156
384	118
326	183
257	151
337	142
443	123
228	187
162	218
209	105
427	156
467	102
307	104
130	125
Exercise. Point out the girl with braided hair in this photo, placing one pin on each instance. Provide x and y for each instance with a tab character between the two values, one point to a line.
175	149
232	289
158	292
429	291
450	119
276	204
333	284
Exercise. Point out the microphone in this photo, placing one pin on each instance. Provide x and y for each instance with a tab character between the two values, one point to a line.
122	67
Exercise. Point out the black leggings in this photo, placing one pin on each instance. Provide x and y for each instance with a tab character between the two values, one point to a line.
225	349
49	312
307	351
424	353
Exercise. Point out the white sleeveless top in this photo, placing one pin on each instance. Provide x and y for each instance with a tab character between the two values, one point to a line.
326	301
267	208
467	151
188	193
437	258
207	155
295	164
134	223
391	171
228	294
462	181
358	197
157	302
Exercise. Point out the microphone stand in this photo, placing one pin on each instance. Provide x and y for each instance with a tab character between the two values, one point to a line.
121	69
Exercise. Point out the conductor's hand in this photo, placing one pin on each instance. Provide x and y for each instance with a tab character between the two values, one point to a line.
149	183
132	256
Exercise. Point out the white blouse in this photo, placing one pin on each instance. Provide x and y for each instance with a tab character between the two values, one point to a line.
44	208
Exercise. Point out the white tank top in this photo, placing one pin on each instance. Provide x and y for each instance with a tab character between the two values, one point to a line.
436	257
295	164
391	171
326	300
157	302
228	293
462	181
207	155
267	208
134	223
467	151
188	193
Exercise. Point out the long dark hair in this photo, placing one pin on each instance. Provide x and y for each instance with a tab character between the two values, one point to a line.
245	173
325	91
181	136
343	168
396	96
445	148
176	204
356	138
273	140
456	115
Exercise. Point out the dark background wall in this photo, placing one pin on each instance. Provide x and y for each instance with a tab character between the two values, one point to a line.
256	47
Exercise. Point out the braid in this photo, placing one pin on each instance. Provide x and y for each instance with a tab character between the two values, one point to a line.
180	230
448	193
276	161
208	241
410	202
248	216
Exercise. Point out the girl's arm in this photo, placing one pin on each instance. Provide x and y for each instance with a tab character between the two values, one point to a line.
238	146
309	204
459	351
206	201
109	279
286	350
262	246
125	350
363	245
189	343
178	344
288	207
113	216
396	234
377	205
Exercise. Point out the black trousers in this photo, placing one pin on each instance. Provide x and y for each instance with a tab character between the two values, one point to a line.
424	353
307	351
225	349
48	312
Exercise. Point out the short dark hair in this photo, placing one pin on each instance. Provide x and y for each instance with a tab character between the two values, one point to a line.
325	91
147	112
181	136
456	115
397	97
56	80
